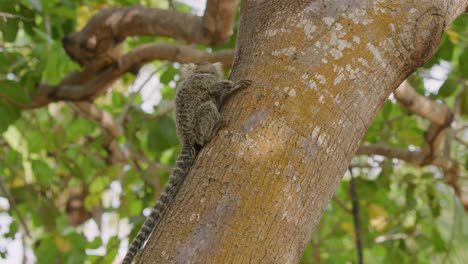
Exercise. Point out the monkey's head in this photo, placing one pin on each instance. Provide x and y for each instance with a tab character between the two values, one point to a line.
201	67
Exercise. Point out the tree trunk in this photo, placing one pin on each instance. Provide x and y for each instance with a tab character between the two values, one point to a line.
321	70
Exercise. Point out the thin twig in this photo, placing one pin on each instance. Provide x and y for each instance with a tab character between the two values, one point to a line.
459	140
5	16
134	94
12	203
166	109
355	210
341	204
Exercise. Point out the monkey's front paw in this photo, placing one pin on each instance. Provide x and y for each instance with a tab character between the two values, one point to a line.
244	83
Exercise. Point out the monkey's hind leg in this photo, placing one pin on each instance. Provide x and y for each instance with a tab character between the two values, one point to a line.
207	122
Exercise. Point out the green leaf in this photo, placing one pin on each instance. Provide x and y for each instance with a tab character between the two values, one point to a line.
162	134
464	105
12	90
112	248
136	207
36	141
99	184
463	64
8	115
13	157
459	24
96	243
168	75
41	171
47	251
57	65
387	109
448	88
118	99
410	196
14	226
78	128
77	252
439	244
167	92
91	201
9	28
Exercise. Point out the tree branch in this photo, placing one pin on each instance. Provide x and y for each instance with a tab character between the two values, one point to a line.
421	105
105	31
91	82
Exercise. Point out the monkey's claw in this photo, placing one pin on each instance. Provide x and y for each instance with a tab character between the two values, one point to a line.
244	83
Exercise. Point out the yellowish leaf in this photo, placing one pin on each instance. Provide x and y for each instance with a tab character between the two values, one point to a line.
62	244
453	36
348	227
378	217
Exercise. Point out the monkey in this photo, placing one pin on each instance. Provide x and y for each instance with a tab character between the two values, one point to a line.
198	100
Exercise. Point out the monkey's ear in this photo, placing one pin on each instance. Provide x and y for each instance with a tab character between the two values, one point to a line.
219	68
186	70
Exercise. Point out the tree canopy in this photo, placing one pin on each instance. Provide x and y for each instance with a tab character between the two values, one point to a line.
76	175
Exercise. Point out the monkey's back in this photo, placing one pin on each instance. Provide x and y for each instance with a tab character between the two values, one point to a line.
191	93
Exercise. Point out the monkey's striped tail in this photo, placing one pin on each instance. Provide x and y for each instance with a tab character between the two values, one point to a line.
183	164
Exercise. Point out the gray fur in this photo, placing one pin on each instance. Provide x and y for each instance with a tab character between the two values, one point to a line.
198	100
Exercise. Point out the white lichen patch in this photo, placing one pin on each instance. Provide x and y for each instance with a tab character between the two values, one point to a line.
292	93
392	27
363	62
333	39
377	56
320	78
343	43
358	16
413	10
285	51
338	27
324	61
352	73
315	132
328	20
284	215
321	99
309	29
312	85
338	78
322	139
337	99
336	54
271	32
194	217
356	39
291	68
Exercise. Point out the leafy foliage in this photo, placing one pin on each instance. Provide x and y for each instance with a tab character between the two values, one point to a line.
56	153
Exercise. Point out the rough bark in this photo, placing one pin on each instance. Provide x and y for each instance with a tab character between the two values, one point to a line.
320	71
